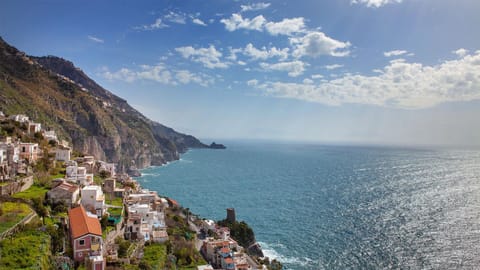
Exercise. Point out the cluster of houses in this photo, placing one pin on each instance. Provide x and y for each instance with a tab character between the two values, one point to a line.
141	216
15	155
223	252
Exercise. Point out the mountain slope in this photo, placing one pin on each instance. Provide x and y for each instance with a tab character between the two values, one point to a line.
53	91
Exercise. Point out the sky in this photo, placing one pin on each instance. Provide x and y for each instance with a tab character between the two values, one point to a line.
396	72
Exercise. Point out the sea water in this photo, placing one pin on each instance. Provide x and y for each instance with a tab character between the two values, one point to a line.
338	207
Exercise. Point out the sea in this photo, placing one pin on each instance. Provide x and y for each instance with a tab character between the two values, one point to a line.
338	207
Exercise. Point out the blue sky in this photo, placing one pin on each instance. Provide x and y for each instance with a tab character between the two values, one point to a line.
341	71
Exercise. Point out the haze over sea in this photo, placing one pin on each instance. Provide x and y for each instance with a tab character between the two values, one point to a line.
338	207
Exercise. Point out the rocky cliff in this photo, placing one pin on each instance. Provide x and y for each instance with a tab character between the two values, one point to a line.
53	91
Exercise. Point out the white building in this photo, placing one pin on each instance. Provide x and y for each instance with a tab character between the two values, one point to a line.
93	199
34	127
79	175
145	223
108	167
50	135
19	118
29	151
63	154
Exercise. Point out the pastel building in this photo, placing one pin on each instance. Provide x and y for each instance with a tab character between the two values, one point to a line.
86	238
93	199
63	154
79	175
29	151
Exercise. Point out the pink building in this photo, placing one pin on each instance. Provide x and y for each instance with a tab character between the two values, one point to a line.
86	237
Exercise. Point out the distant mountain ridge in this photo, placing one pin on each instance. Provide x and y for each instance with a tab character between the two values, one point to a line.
51	90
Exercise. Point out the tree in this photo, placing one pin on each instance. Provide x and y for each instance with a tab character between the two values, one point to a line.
104	222
104	174
40	208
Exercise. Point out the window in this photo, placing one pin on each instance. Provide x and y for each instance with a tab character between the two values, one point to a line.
81	242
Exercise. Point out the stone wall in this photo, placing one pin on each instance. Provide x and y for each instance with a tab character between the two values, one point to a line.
16	186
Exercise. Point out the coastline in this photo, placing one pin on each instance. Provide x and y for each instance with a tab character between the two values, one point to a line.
256	247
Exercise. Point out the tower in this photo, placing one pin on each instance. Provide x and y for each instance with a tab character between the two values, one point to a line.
231	215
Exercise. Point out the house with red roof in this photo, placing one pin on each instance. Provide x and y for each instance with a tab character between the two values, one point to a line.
86	238
64	192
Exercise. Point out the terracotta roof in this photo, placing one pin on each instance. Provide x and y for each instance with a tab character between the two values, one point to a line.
82	224
173	202
228	260
68	187
225	250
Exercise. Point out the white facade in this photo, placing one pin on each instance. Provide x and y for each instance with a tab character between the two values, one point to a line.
29	151
93	199
3	156
108	167
63	154
34	127
19	118
79	175
50	135
147	223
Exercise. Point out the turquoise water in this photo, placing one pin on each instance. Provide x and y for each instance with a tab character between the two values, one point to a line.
338	207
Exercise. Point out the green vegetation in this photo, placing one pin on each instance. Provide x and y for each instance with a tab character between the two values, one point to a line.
58	175
123	246
186	254
97	180
117	201
11	214
107	230
35	191
29	249
154	256
115	211
240	231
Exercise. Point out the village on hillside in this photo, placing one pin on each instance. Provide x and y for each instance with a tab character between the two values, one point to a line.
61	209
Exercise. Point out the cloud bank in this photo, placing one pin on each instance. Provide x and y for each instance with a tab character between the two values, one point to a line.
400	85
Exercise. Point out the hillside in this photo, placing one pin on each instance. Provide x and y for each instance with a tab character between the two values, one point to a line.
53	91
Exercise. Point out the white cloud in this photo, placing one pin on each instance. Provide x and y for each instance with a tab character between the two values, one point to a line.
317	76
241	63
209	57
286	26
176	17
186	77
199	22
236	22
375	3
259	23
460	52
307	81
394	53
158	24
233	53
254	7
332	67
157	73
95	39
265	53
124	74
253	82
400	85
294	68
316	43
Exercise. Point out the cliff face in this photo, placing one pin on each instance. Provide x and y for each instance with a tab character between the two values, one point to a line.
54	92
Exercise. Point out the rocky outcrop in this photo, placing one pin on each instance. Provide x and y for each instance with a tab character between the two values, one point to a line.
214	145
51	90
